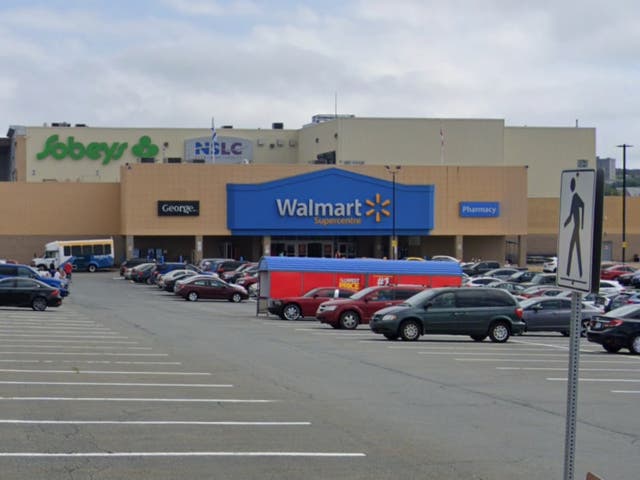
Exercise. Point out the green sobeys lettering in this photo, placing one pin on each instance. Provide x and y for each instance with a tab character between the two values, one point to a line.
144	148
94	151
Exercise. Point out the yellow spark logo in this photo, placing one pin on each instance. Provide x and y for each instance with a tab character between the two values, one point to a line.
378	207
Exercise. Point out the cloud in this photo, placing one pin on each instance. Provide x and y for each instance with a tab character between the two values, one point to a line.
177	63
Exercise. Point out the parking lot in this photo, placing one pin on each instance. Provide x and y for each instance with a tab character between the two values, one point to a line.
127	381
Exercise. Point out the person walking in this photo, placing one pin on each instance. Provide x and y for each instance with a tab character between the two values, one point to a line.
68	269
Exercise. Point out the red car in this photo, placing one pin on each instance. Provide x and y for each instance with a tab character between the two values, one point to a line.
350	312
212	288
612	273
293	308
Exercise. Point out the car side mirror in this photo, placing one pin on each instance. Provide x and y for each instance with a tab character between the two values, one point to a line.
428	305
536	307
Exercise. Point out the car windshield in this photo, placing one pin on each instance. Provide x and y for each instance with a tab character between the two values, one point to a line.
50	254
530	301
420	298
362	293
311	293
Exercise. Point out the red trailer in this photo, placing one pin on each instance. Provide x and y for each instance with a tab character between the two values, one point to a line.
293	276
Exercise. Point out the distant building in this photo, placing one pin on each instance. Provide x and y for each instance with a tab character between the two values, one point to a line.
609	167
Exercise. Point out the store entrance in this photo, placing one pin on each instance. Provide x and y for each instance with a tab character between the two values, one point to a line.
312	247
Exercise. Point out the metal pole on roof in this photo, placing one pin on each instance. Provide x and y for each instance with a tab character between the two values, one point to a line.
624	147
393	170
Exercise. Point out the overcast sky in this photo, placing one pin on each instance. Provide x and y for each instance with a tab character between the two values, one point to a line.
248	63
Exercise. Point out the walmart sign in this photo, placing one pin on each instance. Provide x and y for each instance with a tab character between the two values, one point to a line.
329	202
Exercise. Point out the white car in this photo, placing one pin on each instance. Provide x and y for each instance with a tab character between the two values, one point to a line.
444	258
610	287
551	265
482	281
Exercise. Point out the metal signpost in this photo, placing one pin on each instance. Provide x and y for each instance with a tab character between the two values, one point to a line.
579	250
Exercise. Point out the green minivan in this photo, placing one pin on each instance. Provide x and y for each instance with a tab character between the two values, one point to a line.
479	312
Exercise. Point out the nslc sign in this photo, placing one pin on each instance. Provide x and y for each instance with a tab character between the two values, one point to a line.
178	208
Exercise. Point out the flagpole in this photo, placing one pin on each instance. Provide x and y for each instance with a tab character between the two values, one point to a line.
212	146
441	146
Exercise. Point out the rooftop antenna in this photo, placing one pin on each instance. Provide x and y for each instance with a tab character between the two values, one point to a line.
335	103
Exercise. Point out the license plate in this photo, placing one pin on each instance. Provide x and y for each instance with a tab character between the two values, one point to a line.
597	325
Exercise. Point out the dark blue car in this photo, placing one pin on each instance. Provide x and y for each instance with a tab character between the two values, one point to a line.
25	271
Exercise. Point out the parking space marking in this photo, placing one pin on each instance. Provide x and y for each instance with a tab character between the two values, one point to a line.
101	354
625	391
599	380
102	372
182	454
497	354
536	360
56	336
552	369
77	341
91	362
138	399
121	384
154	422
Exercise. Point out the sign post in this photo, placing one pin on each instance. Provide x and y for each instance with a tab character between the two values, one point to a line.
579	251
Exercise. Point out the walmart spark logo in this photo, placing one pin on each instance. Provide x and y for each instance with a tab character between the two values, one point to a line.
378	207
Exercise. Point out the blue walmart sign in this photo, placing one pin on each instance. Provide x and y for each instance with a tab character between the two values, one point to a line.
479	209
329	202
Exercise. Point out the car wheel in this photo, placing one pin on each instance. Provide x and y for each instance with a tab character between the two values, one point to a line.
410	331
349	320
390	336
499	332
634	345
193	296
611	348
584	327
92	268
39	304
478	338
236	298
291	311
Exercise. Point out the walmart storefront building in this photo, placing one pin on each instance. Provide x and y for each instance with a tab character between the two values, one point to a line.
466	188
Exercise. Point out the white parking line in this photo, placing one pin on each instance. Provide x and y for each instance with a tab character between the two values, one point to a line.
122	384
183	454
625	391
78	341
136	399
599	380
152	422
535	360
552	369
50	335
497	354
95	347
95	354
101	372
100	362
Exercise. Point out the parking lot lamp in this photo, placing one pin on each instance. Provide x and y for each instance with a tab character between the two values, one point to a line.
624	147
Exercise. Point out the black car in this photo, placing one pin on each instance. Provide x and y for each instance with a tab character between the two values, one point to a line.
478	312
620	328
522	276
142	273
131	262
479	268
27	292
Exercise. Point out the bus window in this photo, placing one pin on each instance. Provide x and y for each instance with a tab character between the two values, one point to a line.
107	249
87	250
67	251
76	250
98	249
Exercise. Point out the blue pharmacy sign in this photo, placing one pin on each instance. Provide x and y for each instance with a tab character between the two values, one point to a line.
327	203
479	209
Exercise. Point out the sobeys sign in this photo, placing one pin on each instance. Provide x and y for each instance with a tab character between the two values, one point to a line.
102	151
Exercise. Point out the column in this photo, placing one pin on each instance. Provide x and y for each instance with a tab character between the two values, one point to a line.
458	247
522	250
198	250
129	245
266	245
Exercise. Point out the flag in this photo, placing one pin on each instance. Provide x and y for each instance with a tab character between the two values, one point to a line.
441	146
214	140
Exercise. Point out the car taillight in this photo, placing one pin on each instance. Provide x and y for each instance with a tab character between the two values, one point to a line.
56	293
519	312
614	323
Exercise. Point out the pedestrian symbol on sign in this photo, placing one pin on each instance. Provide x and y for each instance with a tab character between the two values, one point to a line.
576	214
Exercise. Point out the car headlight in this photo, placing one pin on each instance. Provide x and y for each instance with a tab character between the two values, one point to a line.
389	317
329	308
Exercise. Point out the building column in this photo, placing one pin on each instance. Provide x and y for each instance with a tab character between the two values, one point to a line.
129	245
522	250
198	250
266	245
458	247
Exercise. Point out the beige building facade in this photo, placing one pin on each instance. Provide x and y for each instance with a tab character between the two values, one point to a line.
81	182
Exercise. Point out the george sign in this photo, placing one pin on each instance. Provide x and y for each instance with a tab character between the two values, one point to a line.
580	230
178	208
479	209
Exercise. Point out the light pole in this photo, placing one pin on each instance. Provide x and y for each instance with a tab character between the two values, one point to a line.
393	170
624	147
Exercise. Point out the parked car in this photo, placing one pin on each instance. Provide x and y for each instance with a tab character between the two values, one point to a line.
26	271
481	281
630	279
162	279
222	266
205	263
550	265
130	263
609	287
247	280
502	273
621	299
293	308
170	283
350	312
552	314
28	292
162	268
479	268
142	273
513	288
477	312
613	272
211	288
444	258
542	279
618	329
522	276
232	276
